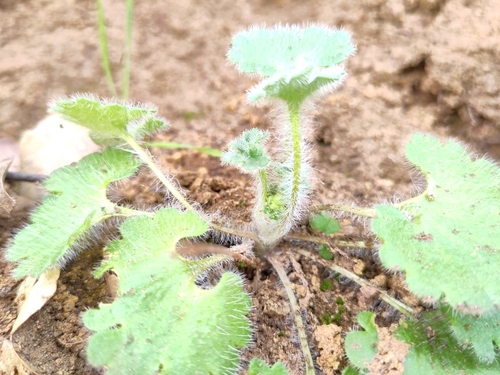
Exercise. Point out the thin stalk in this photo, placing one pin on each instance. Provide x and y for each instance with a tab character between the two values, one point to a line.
361	211
398	305
332	241
103	39
301	331
125	211
128	48
427	193
239	233
297	157
143	155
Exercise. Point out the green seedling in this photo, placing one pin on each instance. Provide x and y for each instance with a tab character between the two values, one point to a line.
325	252
326	319
324	223
297	65
325	285
163	321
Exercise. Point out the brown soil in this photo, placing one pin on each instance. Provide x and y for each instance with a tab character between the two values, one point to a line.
421	65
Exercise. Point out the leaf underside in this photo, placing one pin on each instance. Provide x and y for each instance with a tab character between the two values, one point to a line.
161	322
446	239
296	61
435	351
110	123
76	201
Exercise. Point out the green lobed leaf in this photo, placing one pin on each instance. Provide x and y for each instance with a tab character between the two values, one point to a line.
435	351
480	332
259	367
322	222
110	123
76	201
248	152
270	51
446	239
297	61
162	322
361	346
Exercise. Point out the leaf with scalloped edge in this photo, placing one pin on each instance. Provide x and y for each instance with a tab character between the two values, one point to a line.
110	123
446	239
481	332
247	151
296	61
435	351
75	203
162	322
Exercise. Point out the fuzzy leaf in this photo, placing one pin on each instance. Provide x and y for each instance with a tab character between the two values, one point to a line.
481	332
324	223
76	201
297	61
446	239
361	346
248	151
435	351
259	367
162	322
110	123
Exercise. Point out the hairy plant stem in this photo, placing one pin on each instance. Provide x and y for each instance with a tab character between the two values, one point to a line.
361	211
294	109
427	193
301	331
128	212
334	241
398	305
143	155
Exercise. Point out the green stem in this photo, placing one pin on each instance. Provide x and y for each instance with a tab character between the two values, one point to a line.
301	331
152	165
103	39
361	211
125	211
398	305
128	43
427	193
332	241
294	109
143	155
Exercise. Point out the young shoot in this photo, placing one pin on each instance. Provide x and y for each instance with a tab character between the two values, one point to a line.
298	64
